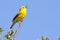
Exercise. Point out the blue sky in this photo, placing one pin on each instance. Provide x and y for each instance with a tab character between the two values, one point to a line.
43	18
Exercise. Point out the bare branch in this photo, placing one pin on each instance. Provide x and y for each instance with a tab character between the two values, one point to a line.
19	29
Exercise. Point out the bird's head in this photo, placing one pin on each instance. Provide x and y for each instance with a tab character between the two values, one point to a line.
23	9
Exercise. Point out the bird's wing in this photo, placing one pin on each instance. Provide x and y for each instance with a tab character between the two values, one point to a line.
15	17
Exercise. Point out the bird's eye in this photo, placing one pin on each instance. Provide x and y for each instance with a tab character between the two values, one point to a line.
23	7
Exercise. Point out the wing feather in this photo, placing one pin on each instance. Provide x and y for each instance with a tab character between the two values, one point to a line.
15	17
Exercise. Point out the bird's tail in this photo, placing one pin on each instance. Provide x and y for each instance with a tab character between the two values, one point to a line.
12	26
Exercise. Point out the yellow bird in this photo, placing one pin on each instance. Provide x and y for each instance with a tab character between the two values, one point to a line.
20	16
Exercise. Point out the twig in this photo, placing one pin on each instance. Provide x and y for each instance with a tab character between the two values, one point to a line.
19	28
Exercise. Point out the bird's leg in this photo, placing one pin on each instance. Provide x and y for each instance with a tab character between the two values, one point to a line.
21	21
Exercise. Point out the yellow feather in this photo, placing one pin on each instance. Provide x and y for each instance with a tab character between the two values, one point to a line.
21	15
